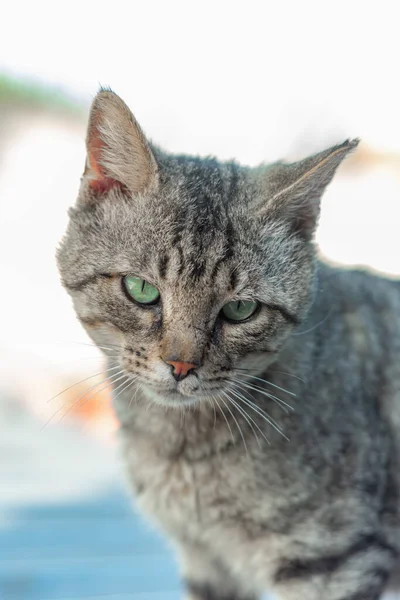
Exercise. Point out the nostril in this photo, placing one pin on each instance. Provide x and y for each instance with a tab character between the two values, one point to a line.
180	376
180	369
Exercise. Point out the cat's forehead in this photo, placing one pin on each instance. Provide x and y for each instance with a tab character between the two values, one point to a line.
183	233
178	235
204	187
199	207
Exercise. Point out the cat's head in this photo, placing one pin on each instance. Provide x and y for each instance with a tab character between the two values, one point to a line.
185	269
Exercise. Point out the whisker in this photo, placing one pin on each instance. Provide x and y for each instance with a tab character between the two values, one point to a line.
71	407
268	382
234	418
289	375
133	398
81	381
246	417
315	326
239	397
94	393
215	414
108	347
224	415
100	357
130	382
109	379
270	371
264	415
284	405
250	398
243	390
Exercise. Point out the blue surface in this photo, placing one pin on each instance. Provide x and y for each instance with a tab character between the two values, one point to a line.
92	550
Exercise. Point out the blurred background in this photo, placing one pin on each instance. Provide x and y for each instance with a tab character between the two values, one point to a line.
258	82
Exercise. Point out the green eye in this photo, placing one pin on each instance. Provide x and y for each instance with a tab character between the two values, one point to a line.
141	291
239	310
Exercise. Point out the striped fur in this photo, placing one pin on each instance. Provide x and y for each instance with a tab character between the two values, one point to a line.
255	496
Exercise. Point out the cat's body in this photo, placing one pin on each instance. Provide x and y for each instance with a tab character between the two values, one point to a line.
305	505
305	502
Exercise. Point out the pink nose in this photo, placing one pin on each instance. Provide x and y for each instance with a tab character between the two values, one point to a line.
180	369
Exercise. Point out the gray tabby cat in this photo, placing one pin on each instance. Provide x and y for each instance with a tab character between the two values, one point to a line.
259	398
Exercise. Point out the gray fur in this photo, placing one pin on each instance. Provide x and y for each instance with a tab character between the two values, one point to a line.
304	505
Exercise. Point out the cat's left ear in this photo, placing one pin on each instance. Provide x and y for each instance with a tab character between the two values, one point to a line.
292	192
118	153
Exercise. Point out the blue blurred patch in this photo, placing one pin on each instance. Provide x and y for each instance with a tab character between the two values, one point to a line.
93	550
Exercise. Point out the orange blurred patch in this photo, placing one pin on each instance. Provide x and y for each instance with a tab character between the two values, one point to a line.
366	158
92	406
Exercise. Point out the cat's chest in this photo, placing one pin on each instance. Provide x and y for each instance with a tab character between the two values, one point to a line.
181	493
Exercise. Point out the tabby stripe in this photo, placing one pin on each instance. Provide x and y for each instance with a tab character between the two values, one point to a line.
367	593
163	265
233	281
198	269
300	568
375	582
225	256
181	259
288	316
230	235
234	182
204	591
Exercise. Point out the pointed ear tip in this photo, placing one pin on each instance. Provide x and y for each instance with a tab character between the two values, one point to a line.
103	95
105	90
350	144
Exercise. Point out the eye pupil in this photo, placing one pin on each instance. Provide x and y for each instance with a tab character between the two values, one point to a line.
140	290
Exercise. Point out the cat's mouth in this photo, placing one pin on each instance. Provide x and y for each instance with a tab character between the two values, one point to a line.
170	398
188	392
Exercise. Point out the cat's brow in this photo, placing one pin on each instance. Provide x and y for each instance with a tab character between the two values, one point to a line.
78	286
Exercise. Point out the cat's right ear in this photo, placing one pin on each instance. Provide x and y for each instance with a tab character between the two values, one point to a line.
292	192
118	154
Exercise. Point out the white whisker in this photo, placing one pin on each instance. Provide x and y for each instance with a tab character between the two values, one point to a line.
284	405
225	417
71	407
73	404
314	326
264	415
245	416
239	397
234	418
289	375
133	398
215	414
130	382
81	381
268	383
109	347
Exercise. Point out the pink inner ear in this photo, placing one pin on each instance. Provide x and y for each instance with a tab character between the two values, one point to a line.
103	184
100	183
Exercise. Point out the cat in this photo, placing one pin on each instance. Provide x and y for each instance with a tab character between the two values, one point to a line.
257	388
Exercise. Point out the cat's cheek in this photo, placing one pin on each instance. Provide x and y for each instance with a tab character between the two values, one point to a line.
103	333
247	351
155	368
256	361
